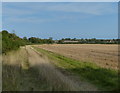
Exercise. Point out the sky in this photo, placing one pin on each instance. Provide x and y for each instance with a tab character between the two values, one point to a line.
61	19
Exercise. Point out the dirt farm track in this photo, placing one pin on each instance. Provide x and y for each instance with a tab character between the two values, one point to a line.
103	55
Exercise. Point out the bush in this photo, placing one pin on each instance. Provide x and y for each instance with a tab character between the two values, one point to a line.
10	41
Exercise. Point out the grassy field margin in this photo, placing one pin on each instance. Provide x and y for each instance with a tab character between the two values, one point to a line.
104	79
19	76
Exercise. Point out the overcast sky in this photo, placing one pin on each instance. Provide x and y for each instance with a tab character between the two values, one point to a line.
61	20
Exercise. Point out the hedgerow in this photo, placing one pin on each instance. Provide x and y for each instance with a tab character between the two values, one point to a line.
11	41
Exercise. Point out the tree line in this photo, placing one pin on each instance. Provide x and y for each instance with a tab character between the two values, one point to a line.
10	41
88	41
34	40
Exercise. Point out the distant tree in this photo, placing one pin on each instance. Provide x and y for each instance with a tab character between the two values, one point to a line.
25	38
60	41
67	39
50	38
74	39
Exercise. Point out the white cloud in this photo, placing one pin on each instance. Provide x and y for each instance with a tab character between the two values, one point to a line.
26	20
26	12
88	8
15	12
94	9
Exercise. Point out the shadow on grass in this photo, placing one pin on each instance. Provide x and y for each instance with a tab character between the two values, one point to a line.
15	78
36	78
10	76
41	77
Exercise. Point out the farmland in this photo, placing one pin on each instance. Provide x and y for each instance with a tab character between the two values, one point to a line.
58	67
103	77
28	70
59	46
51	68
103	55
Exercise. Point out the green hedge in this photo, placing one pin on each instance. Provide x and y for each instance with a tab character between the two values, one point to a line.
10	41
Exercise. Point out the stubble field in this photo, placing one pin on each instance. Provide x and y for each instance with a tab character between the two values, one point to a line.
103	55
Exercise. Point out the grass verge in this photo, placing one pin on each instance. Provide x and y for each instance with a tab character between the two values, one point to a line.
17	75
104	79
